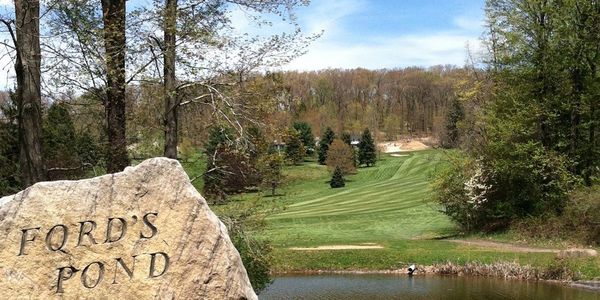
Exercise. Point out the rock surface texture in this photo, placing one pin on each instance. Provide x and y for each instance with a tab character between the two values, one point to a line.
144	233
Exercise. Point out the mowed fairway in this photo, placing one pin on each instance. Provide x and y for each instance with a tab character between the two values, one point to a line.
388	205
380	204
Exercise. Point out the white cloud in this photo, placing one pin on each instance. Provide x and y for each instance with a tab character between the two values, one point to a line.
334	49
326	15
407	50
469	23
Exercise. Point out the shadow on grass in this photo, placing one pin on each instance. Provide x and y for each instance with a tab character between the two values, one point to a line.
274	196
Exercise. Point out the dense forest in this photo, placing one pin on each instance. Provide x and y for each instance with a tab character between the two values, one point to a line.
410	101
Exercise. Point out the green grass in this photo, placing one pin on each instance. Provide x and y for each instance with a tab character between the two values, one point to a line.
385	203
388	204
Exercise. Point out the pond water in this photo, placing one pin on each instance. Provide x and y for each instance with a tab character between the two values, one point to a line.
418	287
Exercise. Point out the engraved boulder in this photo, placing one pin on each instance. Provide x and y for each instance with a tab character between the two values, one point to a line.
144	233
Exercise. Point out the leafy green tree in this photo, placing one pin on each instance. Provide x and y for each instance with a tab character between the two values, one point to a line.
539	125
544	62
294	149
258	143
270	169
326	140
307	137
367	154
337	180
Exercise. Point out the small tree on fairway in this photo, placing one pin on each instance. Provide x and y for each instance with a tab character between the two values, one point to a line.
326	140
337	181
306	135
270	168
294	149
366	149
341	155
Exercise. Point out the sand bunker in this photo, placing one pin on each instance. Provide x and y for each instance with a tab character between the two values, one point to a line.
340	247
399	155
403	145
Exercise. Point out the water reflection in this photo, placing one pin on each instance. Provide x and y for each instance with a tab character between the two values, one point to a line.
427	287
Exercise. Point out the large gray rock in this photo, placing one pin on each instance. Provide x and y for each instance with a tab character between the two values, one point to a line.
144	233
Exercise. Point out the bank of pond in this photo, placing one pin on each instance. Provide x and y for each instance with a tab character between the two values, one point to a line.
395	286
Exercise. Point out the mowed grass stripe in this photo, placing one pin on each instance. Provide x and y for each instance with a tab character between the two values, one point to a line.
364	195
396	200
387	201
367	195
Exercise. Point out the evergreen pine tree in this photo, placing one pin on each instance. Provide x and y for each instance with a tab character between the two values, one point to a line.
346	138
337	181
326	140
366	149
59	140
60	144
307	137
455	114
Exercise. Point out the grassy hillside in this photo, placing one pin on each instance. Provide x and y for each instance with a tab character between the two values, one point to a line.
380	204
386	205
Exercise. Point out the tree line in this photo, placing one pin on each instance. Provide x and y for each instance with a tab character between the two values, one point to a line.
529	121
100	49
393	103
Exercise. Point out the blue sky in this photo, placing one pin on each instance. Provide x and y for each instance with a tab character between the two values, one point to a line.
390	33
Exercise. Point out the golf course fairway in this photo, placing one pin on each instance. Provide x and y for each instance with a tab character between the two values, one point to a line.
383	219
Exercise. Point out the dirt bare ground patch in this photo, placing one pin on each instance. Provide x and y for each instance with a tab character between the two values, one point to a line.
402	145
505	246
364	246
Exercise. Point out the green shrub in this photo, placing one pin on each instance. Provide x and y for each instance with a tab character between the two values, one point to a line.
579	222
508	184
245	221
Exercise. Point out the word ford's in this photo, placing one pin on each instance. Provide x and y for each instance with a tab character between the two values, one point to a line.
92	274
